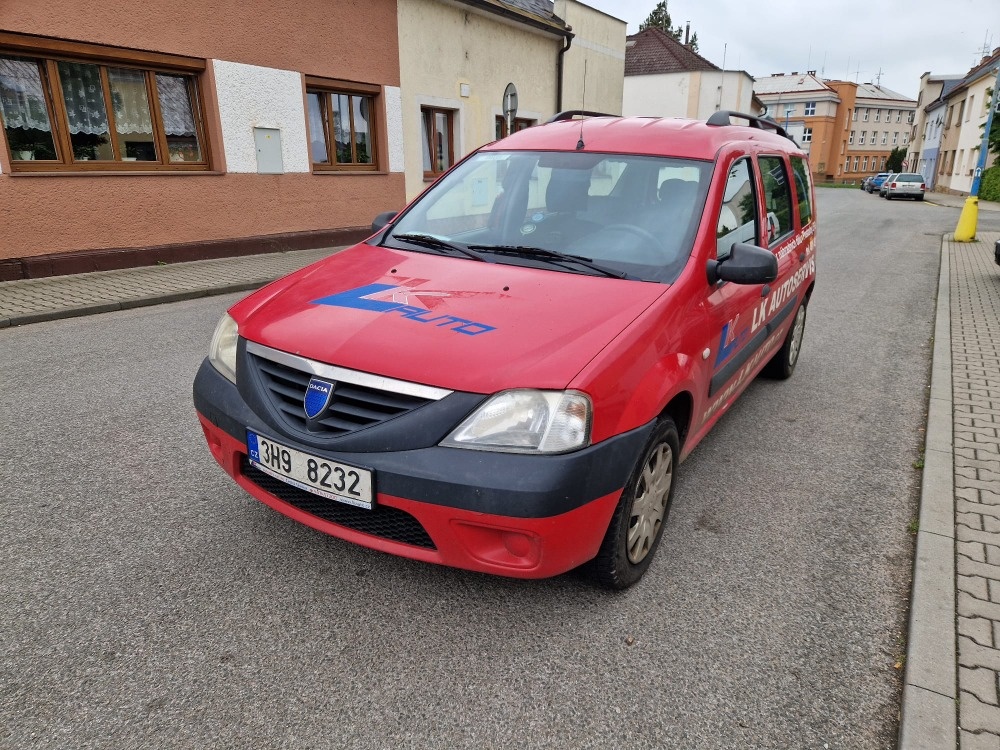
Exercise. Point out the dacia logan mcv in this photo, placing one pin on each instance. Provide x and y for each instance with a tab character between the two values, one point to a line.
507	374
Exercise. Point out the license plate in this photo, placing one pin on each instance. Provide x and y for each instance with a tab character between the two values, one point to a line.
321	476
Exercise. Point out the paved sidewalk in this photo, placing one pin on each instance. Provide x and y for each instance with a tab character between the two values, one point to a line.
33	300
953	660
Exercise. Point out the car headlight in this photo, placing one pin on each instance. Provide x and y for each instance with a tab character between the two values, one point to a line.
222	350
527	421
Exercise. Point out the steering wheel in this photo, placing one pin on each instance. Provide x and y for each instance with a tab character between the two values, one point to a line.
648	250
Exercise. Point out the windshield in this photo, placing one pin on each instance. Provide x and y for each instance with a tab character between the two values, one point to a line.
635	215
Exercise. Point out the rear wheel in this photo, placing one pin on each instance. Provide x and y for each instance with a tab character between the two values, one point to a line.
636	527
782	364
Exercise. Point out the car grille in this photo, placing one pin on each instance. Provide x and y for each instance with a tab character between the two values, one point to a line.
352	407
382	521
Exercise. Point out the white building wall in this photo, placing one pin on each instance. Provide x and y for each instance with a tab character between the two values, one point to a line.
456	58
594	66
970	136
662	95
694	95
249	97
394	125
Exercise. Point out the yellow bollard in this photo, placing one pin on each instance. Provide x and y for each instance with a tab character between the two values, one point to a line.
966	229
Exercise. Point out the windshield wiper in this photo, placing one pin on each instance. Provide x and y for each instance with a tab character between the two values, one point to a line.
429	240
526	251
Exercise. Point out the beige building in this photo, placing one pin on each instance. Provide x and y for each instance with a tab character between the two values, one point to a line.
928	124
457	58
665	78
967	107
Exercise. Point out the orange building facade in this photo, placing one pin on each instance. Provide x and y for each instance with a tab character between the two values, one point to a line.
142	132
848	128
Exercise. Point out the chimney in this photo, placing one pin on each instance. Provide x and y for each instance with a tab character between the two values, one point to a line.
687	33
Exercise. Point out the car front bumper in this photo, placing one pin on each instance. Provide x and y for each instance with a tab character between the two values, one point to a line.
508	514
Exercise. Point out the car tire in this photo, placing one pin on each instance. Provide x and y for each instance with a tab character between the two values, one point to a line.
920	197
782	364
888	197
636	527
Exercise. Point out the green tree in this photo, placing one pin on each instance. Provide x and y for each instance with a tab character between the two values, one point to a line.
895	161
660	19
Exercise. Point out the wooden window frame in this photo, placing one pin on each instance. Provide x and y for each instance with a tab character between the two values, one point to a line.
433	174
328	87
500	122
48	53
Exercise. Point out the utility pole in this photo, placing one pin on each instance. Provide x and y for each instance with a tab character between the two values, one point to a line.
965	231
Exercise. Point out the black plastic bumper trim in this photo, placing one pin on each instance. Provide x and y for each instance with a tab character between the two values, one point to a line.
504	484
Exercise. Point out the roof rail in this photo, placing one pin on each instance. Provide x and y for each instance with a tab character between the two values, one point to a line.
722	118
569	114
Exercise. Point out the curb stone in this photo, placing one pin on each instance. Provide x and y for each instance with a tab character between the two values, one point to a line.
929	719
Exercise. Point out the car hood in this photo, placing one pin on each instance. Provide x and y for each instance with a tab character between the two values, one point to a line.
442	321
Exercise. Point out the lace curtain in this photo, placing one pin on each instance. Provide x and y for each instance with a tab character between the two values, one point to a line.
22	100
175	105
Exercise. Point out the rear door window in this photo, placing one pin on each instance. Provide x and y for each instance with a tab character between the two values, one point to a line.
802	189
777	198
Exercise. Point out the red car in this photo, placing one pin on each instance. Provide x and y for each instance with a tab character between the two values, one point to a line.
506	376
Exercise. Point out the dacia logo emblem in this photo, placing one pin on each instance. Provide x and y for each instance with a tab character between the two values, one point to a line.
318	396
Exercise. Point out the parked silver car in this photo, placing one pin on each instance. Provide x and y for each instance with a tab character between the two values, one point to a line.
905	185
884	187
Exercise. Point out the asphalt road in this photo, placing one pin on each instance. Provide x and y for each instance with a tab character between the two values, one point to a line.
146	601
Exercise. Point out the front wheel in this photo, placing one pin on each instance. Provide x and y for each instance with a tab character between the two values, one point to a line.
782	364
636	527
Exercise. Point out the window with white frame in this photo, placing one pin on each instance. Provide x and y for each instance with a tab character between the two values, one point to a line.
854	115
857	160
878	113
899	115
850	138
810	108
882	169
885	137
807	135
909	117
864	115
847	164
863	138
895	138
906	138
864	164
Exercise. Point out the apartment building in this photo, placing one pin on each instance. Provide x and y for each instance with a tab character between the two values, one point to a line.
925	141
966	107
848	128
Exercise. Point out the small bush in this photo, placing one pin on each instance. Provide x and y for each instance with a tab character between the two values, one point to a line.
989	188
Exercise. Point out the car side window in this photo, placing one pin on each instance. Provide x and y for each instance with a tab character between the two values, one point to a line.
738	215
801	173
777	198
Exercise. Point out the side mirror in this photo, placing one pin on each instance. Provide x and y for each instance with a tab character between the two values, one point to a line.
746	264
383	219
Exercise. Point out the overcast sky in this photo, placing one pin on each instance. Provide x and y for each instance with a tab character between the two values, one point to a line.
835	38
